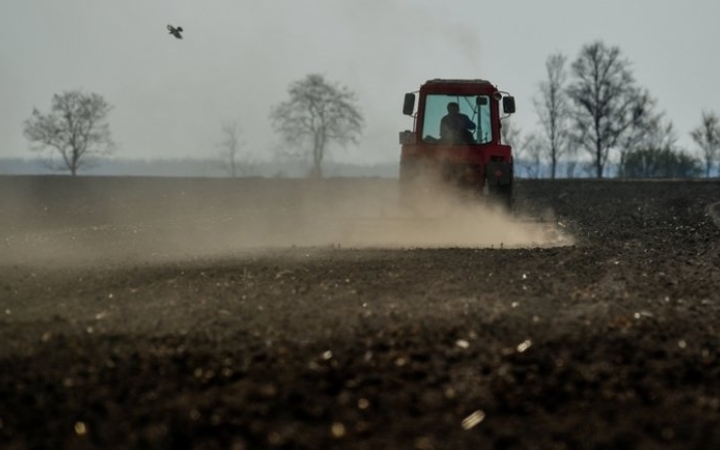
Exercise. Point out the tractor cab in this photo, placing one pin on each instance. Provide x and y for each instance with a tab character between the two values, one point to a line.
478	100
456	131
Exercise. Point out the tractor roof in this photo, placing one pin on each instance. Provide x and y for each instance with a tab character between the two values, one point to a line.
455	86
451	80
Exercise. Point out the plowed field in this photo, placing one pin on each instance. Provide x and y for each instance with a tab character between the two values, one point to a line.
262	313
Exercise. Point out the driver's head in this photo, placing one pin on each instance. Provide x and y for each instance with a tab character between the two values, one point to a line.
453	107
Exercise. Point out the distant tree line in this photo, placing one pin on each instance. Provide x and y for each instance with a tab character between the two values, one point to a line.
597	109
209	167
317	115
592	112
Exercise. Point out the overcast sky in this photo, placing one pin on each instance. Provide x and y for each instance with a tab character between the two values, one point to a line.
170	97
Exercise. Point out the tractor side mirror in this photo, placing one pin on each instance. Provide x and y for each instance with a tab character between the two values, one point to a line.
409	104
508	104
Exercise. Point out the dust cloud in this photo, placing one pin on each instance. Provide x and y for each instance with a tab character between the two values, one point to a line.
376	217
127	220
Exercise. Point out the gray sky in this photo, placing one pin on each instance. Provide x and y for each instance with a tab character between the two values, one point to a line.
238	57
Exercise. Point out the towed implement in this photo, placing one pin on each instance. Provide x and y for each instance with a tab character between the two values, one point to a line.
456	140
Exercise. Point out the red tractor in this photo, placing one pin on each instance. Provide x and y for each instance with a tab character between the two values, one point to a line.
456	139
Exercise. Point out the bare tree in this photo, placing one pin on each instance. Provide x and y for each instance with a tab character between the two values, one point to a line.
608	105
707	137
510	134
76	127
530	154
231	147
646	130
652	151
318	113
527	150
553	107
570	168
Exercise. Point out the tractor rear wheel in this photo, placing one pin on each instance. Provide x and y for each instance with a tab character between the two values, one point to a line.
502	196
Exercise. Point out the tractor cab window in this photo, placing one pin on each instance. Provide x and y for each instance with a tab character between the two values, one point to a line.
467	119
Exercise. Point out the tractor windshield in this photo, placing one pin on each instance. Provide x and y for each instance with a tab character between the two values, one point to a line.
444	123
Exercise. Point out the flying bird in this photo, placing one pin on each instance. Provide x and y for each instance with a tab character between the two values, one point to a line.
175	31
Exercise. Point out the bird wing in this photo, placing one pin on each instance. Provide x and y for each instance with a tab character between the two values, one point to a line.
171	28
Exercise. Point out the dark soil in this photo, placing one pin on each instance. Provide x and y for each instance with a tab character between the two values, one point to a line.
129	320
